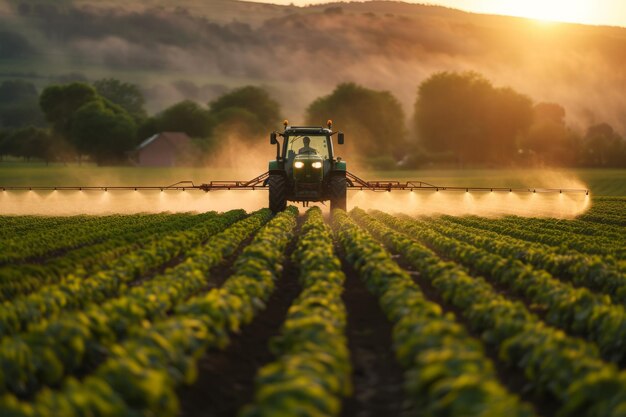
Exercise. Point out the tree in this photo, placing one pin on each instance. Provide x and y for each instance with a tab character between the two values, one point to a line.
5	145
59	102
254	106
465	114
374	119
103	131
239	123
29	142
186	116
19	105
147	128
548	138
603	147
126	95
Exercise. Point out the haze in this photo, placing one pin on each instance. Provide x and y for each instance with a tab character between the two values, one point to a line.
594	12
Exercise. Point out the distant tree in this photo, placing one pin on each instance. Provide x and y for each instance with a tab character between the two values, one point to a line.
5	146
465	114
148	127
186	116
603	147
508	120
59	102
250	105
333	11
103	131
126	95
548	138
373	120
21	115
29	142
19	105
238	123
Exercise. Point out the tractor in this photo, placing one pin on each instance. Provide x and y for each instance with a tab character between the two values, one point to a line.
306	168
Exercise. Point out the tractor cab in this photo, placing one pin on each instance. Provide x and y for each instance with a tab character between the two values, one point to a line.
305	168
308	153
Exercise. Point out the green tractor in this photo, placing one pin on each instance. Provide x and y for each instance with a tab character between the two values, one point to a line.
306	169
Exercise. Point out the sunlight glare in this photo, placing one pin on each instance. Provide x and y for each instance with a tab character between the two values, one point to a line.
547	10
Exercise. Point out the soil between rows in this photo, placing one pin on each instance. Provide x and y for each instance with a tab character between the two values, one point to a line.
377	378
226	378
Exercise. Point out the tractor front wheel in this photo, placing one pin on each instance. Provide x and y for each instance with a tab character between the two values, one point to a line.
338	192
278	193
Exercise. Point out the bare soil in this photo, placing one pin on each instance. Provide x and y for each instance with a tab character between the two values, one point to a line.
377	378
226	378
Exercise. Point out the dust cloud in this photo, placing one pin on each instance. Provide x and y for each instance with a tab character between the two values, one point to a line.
244	158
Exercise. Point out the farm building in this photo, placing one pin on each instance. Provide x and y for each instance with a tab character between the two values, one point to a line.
164	149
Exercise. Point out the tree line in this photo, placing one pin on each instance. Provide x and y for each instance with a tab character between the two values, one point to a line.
459	119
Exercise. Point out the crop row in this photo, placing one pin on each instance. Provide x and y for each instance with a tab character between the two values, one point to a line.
312	370
74	341
604	219
140	375
589	271
577	310
573	226
26	278
608	207
75	292
525	231
565	367
14	225
447	371
50	241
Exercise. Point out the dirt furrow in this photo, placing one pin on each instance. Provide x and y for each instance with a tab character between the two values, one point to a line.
377	377
226	378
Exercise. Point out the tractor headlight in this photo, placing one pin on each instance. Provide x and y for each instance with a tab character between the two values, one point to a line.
298	164
317	164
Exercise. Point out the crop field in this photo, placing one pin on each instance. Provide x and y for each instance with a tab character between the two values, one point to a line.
362	313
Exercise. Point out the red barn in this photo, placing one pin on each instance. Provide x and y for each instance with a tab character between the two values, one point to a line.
164	149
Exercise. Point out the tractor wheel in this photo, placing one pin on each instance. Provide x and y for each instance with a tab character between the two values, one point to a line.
278	193
338	192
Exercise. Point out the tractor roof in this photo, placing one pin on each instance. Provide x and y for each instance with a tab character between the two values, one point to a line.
307	130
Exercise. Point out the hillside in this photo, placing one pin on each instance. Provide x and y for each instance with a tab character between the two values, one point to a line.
200	49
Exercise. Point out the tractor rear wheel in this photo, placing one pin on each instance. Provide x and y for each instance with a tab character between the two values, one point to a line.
338	191
278	193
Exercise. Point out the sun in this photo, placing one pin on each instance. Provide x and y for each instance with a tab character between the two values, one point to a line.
547	10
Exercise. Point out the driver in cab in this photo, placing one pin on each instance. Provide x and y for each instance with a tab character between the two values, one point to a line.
306	149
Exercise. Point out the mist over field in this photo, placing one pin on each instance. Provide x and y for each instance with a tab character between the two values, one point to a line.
199	50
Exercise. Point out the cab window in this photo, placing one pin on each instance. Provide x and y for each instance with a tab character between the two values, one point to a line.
318	146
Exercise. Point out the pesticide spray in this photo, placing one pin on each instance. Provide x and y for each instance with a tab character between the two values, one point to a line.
417	202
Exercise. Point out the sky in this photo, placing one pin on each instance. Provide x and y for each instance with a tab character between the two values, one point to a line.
595	12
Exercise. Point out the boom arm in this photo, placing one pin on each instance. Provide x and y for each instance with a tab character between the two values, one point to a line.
260	182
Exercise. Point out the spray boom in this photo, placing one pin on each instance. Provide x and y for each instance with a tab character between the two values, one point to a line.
261	183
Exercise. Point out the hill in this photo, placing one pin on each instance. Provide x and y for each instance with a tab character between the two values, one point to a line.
200	49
